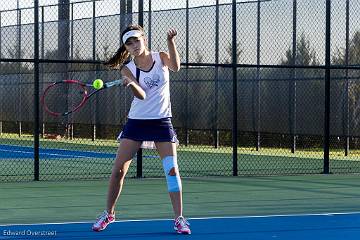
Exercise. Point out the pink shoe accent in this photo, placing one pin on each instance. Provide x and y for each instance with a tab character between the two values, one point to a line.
102	221
181	225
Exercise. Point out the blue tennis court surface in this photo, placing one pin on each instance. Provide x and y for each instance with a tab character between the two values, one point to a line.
13	151
292	227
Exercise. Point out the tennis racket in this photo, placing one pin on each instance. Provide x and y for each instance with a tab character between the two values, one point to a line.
68	96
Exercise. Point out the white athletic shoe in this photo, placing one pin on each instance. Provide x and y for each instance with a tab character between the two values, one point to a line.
102	221
181	225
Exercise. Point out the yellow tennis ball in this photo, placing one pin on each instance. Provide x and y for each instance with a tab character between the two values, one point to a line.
98	83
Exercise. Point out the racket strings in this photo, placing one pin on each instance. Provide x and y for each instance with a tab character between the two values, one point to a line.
62	98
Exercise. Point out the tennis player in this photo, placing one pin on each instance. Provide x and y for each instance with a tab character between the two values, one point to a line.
149	118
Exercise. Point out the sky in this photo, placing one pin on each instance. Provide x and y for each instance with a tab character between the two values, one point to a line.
104	7
12	4
275	23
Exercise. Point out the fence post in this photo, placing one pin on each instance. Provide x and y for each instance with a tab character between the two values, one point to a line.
149	24
216	98
41	68
139	157
258	110
36	91
19	78
292	85
63	51
94	109
71	125
234	62
346	130
327	87
187	75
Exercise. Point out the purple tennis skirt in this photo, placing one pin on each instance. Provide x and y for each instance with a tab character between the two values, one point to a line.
156	130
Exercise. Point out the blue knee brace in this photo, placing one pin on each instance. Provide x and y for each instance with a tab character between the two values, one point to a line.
173	181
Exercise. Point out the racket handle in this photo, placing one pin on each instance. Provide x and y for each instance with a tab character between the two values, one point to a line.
113	83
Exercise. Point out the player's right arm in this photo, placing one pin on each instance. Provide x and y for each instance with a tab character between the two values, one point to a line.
131	82
171	59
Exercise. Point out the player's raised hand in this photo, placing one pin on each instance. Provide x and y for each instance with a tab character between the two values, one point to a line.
171	34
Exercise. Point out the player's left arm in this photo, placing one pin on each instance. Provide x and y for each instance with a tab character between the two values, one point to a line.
171	59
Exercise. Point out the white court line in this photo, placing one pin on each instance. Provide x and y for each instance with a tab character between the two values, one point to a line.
55	149
64	155
196	218
49	154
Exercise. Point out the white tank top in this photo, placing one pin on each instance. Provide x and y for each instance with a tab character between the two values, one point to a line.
155	83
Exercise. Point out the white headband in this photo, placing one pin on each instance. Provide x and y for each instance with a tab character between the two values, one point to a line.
132	33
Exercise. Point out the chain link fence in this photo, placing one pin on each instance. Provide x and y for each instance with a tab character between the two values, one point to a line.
250	99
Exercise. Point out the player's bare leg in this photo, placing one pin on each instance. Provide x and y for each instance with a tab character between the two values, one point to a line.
125	153
167	152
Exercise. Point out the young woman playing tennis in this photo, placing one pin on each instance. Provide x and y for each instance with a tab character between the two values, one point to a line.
149	119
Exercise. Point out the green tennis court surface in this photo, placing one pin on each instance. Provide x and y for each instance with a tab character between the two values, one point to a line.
39	202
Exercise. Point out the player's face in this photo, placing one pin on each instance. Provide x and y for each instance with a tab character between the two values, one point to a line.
135	46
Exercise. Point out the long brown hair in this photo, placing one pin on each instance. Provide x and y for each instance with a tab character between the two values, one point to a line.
122	54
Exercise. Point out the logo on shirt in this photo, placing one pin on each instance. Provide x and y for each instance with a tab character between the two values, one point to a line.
152	81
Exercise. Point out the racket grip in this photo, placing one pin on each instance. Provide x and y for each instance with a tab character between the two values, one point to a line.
113	83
